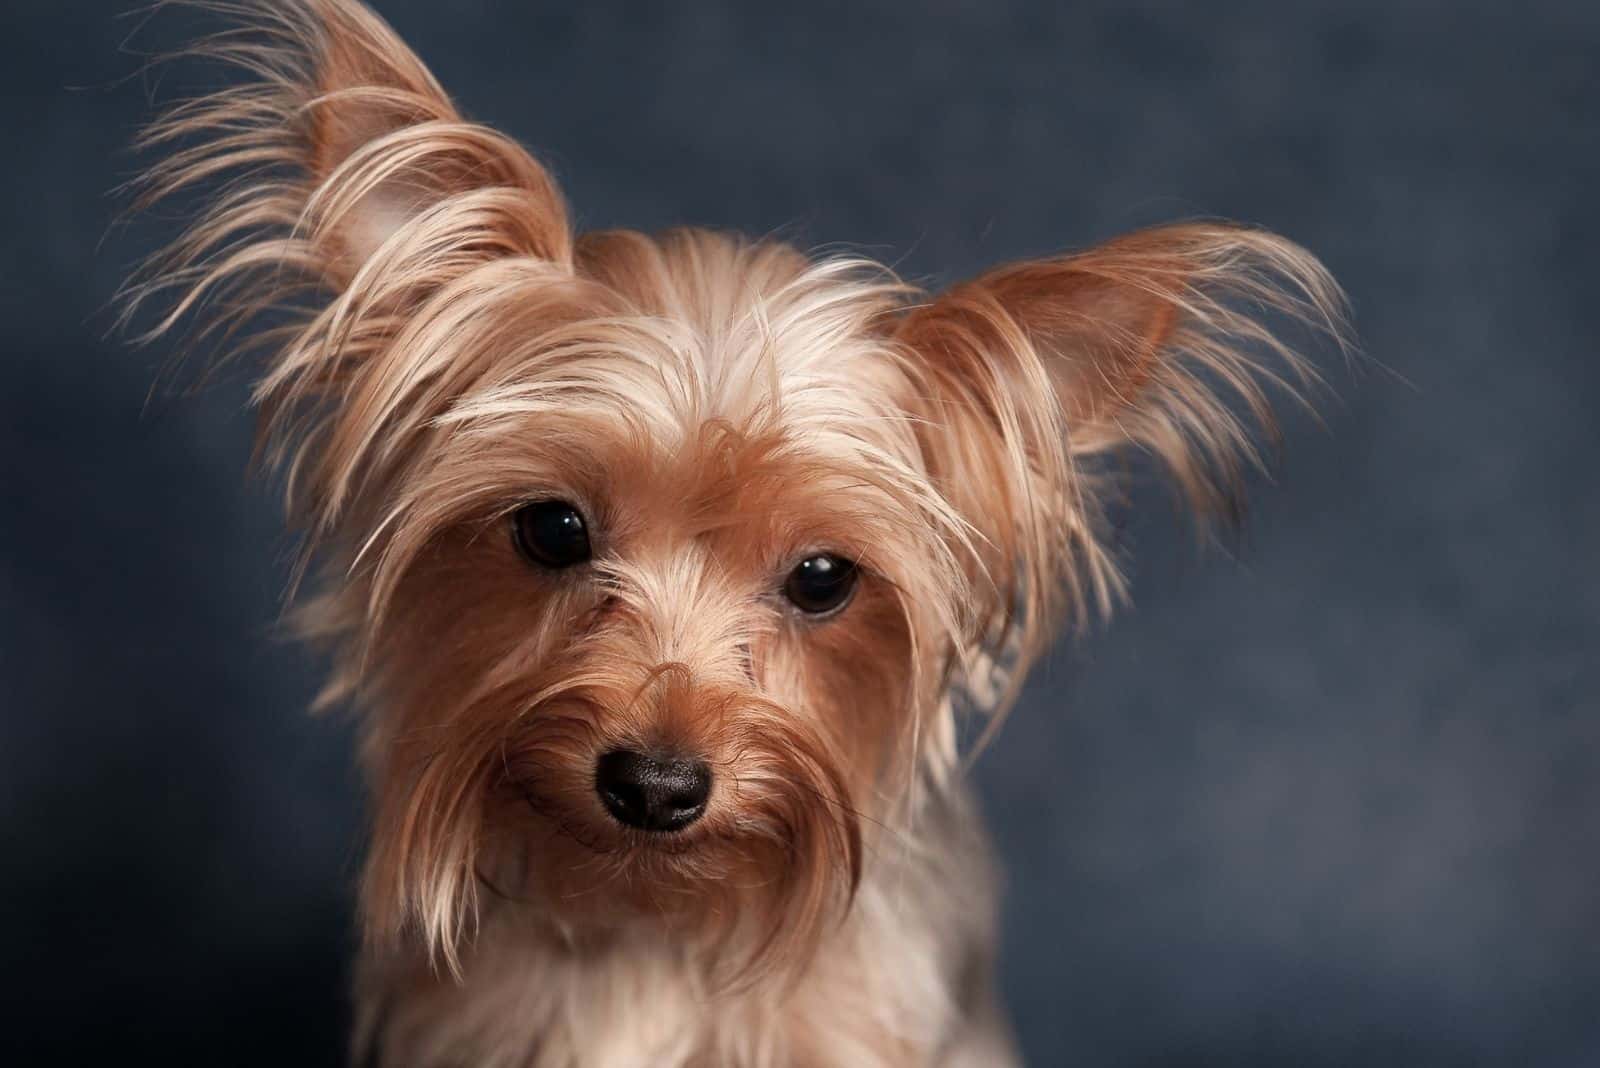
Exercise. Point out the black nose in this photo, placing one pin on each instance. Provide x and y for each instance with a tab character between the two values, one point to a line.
652	793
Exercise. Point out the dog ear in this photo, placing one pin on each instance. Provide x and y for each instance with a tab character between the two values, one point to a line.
1160	341
358	217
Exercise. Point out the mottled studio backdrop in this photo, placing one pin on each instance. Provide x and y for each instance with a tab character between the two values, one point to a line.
1327	797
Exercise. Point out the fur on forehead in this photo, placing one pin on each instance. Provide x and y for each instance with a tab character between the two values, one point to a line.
700	346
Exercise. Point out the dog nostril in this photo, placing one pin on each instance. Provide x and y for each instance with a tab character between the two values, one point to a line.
652	793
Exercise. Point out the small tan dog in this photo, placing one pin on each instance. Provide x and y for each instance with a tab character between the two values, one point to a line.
662	568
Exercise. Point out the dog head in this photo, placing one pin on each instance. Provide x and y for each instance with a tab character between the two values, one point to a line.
658	565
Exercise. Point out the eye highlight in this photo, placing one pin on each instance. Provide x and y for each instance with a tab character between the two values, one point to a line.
551	534
821	583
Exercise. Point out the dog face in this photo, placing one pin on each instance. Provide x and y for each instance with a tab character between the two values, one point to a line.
657	563
646	628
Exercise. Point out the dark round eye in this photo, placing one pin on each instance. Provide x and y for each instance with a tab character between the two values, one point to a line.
820	583
551	533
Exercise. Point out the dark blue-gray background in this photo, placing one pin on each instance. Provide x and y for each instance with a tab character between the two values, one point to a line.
1328	798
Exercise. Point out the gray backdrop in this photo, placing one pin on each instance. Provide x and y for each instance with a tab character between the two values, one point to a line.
1325	797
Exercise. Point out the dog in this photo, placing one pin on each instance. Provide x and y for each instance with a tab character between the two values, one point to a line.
666	572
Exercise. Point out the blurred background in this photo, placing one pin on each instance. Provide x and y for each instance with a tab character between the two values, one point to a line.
1326	797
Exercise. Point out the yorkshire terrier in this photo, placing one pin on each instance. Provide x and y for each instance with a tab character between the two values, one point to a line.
664	570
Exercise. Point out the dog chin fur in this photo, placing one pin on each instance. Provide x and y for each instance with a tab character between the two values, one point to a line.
904	978
440	352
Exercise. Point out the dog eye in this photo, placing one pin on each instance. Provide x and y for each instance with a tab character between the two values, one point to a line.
821	583
551	534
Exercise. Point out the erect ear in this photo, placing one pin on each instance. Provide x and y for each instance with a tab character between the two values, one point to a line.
377	238
340	142
1160	341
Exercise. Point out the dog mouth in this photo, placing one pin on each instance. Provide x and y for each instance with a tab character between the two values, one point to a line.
749	880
